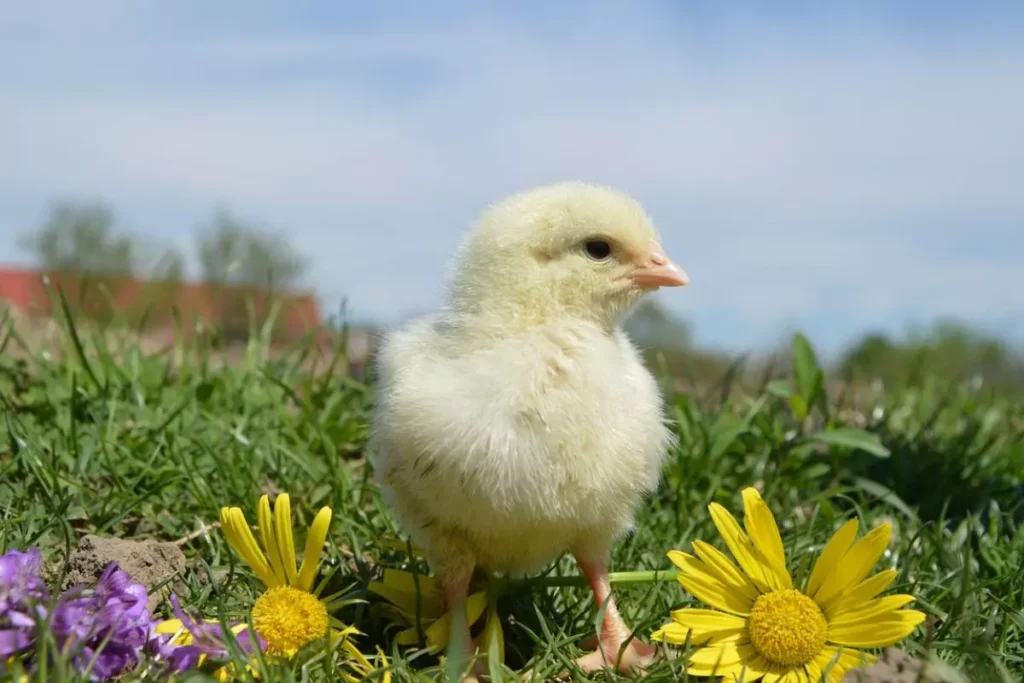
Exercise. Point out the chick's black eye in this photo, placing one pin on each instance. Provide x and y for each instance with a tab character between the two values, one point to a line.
598	250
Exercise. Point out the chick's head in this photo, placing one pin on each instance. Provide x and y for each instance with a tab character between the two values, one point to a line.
567	249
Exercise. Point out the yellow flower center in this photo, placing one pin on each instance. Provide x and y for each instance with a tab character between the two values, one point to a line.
288	618
787	627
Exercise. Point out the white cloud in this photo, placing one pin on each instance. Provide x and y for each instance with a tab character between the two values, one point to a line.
790	171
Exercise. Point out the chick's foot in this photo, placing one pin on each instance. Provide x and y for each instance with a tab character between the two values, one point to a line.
477	674
634	659
636	655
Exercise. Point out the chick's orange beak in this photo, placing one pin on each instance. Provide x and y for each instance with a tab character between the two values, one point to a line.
655	269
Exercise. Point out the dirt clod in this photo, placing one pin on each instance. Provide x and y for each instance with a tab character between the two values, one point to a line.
148	562
896	666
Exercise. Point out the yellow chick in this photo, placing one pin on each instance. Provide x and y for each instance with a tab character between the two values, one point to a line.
518	423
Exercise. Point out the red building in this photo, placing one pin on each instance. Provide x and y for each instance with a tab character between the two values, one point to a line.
161	306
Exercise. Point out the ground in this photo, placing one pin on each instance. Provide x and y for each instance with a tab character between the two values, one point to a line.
147	445
151	563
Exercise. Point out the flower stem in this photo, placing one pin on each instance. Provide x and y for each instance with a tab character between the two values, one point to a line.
644	577
613	577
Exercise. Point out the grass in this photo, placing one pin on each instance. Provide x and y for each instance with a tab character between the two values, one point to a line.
131	445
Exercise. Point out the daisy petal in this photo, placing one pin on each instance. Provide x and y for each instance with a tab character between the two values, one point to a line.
878	632
812	671
828	561
757	667
742	548
678	558
438	633
739	674
283	533
707	620
760	524
796	676
408	582
790	676
720	659
702	583
714	594
678	634
354	652
856	564
835	662
729	672
239	536
760	669
865	590
384	665
169	626
722	567
399	588
407	636
266	525
703	625
868	611
314	546
493	632
674	634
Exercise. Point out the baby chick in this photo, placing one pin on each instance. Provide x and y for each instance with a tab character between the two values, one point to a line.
518	423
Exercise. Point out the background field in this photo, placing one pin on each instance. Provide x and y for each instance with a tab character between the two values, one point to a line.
150	444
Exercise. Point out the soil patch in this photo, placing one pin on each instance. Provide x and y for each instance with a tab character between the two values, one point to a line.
148	562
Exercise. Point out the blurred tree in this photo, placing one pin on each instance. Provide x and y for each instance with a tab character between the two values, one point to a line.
78	248
233	253
240	263
79	237
81	251
169	266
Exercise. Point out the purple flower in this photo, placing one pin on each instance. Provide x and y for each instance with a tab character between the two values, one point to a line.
20	582
105	627
205	639
23	597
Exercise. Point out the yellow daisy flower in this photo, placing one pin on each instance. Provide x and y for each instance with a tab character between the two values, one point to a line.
181	636
400	589
354	669
290	613
762	627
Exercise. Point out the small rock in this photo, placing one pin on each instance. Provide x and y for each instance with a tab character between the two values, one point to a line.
148	562
896	666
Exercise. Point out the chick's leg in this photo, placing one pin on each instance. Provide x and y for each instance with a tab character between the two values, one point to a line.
460	642
614	631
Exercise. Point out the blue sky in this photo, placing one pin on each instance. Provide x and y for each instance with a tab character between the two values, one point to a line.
834	167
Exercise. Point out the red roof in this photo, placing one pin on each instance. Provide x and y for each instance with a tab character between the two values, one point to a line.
24	289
